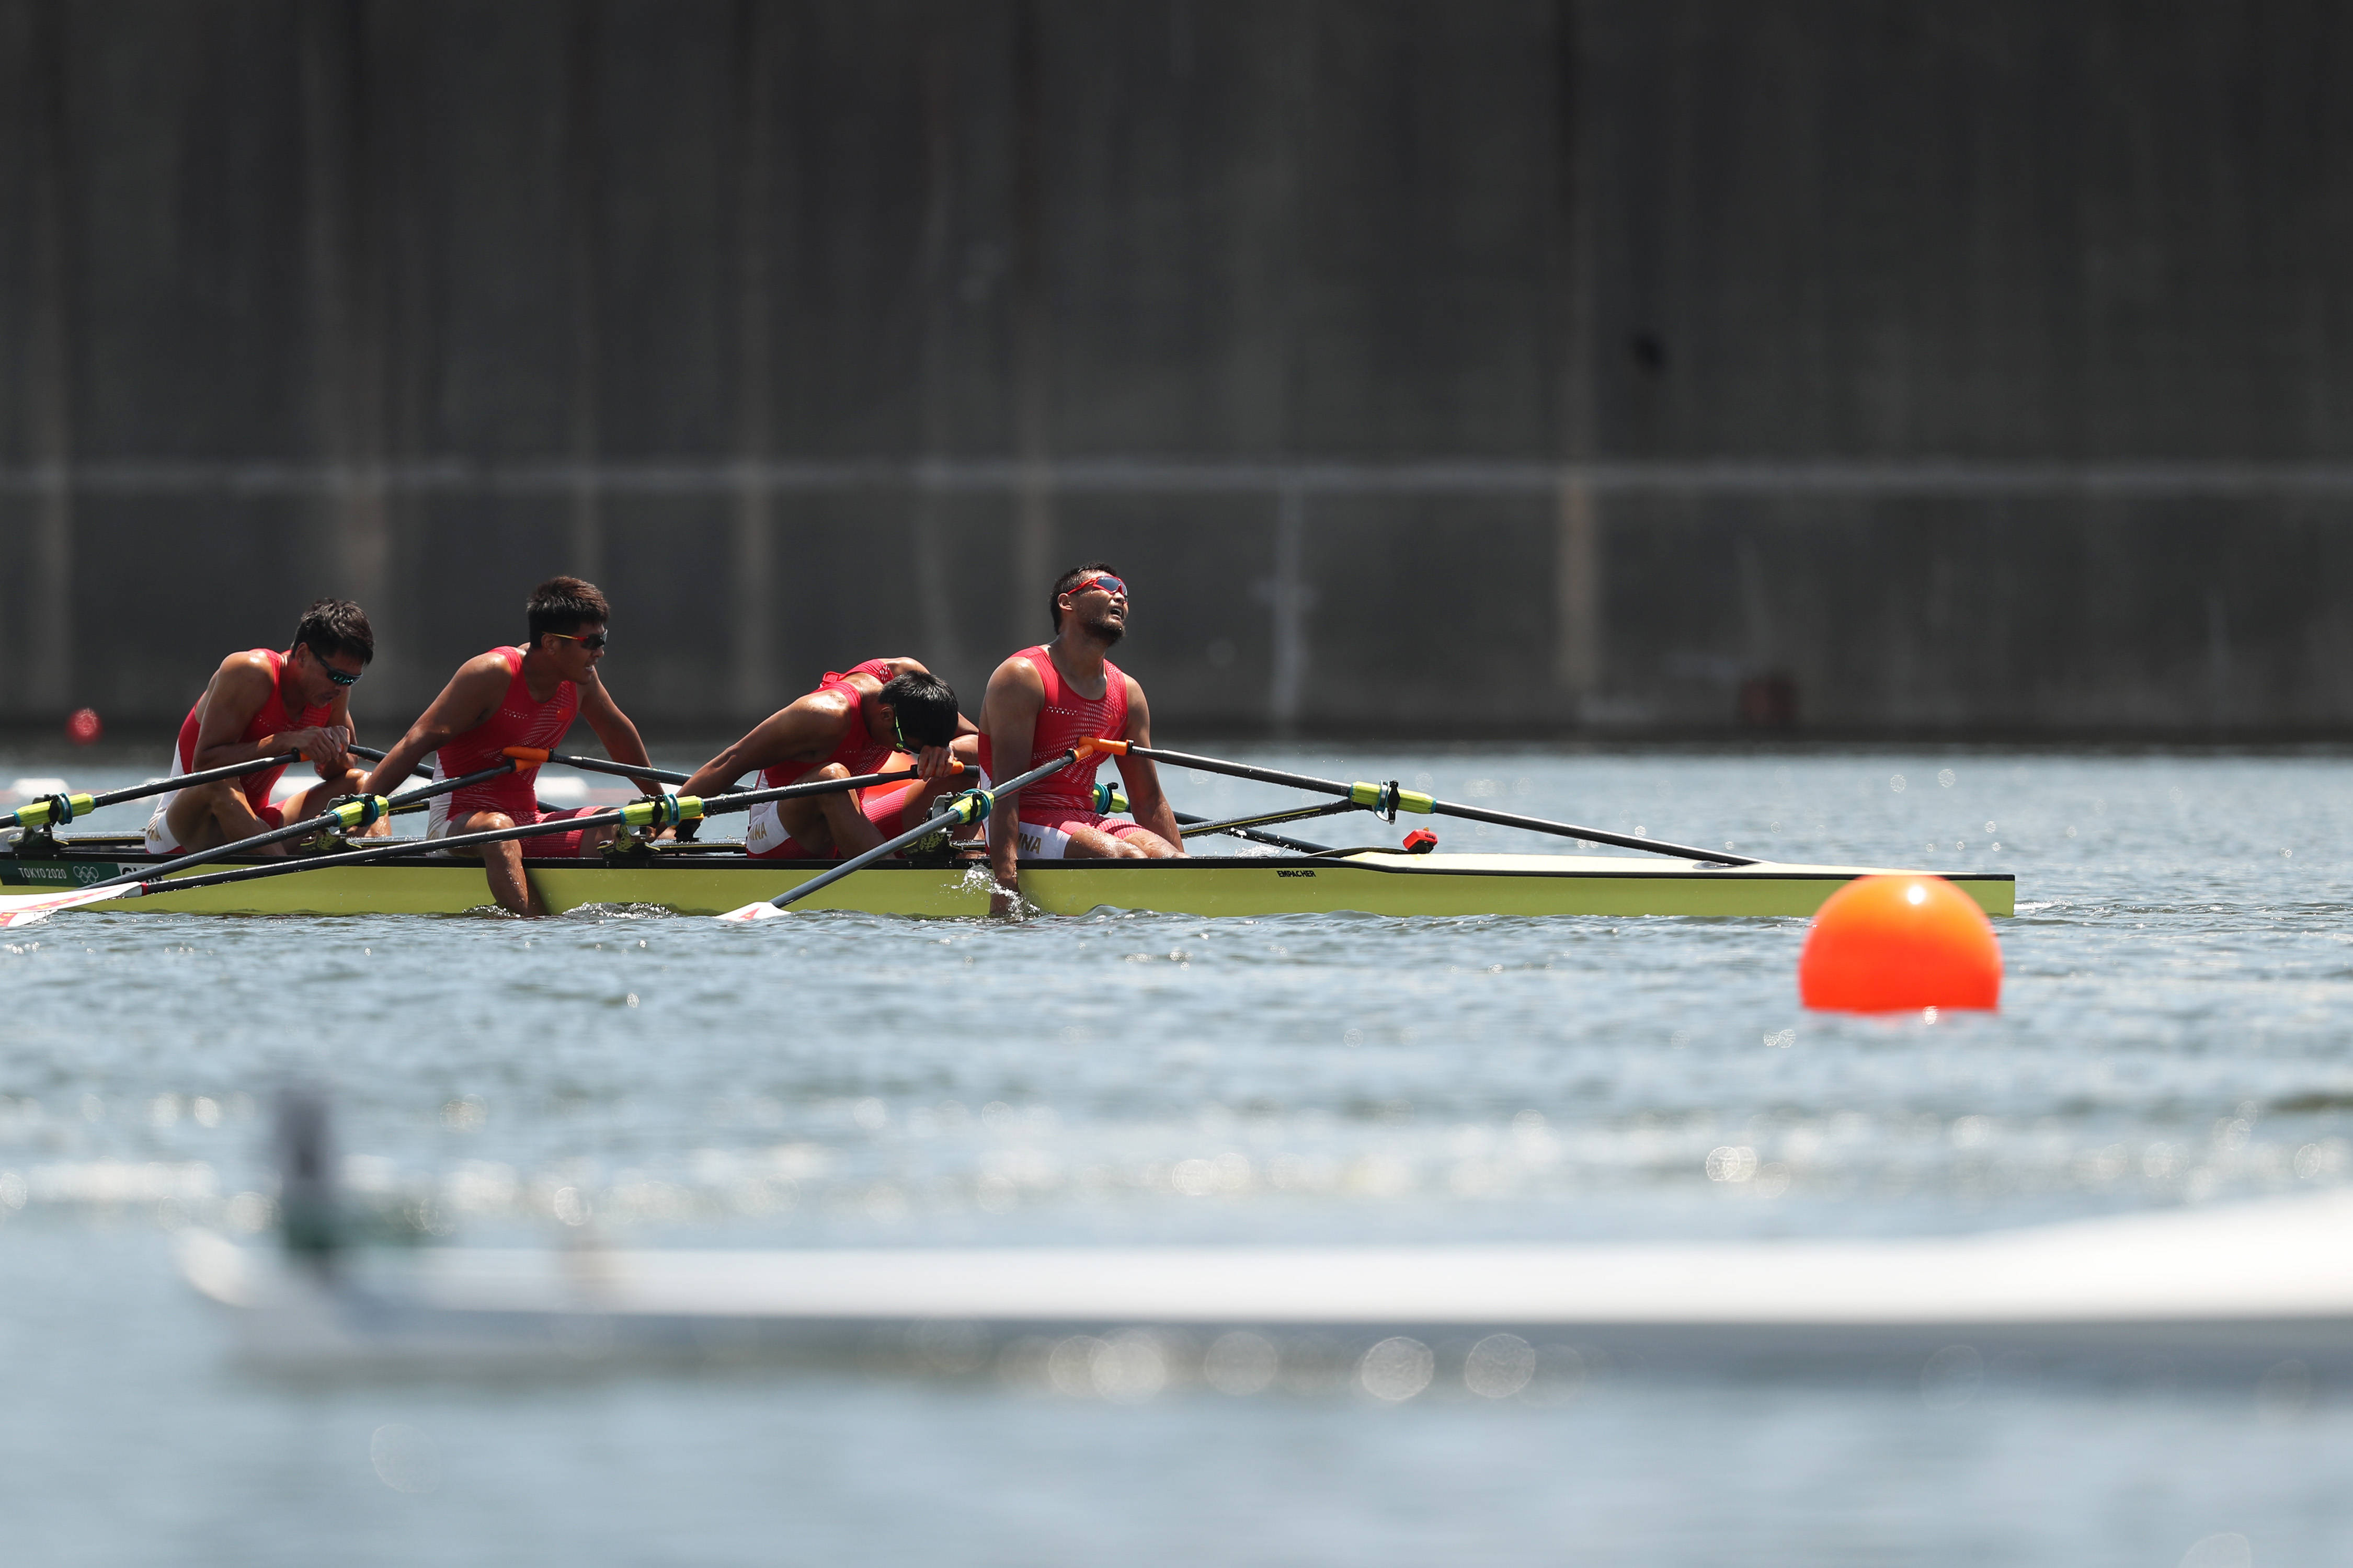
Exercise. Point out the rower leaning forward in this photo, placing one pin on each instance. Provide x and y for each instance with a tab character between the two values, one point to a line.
884	715
262	703
523	696
1046	699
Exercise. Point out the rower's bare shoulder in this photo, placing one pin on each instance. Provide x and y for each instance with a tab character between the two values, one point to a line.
1017	674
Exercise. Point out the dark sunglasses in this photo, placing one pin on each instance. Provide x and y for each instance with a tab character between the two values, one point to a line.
1102	580
337	675
594	642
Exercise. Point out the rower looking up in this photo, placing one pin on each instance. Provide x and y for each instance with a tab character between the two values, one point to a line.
522	696
853	724
263	703
1047	699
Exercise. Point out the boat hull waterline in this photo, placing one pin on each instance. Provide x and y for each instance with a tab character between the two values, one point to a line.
1372	882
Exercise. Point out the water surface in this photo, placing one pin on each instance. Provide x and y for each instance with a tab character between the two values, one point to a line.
2173	1033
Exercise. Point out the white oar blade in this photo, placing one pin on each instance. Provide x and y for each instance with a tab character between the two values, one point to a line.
24	909
762	911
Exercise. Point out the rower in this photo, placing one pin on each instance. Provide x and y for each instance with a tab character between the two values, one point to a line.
1047	699
263	703
524	696
880	716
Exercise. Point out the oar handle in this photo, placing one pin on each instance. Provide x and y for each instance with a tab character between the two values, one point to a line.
1390	797
537	756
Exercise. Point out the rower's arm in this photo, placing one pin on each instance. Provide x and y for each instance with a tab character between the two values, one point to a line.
1145	800
472	695
1009	713
236	693
806	731
622	742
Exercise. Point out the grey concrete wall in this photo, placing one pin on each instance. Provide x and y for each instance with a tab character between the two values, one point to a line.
1513	365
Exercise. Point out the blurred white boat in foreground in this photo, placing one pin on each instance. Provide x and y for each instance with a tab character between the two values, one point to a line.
2228	1285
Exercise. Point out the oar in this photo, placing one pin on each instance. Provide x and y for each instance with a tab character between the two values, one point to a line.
972	806
60	809
661	810
595	765
355	813
1389	797
1108	799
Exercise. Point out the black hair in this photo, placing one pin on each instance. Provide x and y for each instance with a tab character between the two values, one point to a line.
1067	580
927	707
335	625
564	604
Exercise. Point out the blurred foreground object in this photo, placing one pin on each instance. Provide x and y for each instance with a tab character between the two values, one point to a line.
2231	1290
1886	944
84	727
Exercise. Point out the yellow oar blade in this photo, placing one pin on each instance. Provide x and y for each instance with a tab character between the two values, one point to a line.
24	908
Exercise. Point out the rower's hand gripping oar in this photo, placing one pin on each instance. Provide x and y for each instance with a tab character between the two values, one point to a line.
660	811
972	806
1390	799
57	810
345	817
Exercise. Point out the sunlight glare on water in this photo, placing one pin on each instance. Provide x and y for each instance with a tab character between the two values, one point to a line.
2178	979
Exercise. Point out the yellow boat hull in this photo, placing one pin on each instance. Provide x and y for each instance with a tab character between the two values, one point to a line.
1372	882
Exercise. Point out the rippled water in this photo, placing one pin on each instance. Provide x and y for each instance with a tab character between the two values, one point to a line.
2174	1032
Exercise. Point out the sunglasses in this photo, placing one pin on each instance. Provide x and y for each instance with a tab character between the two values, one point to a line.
1105	581
594	642
332	673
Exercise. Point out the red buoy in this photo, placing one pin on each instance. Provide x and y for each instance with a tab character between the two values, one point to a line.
1888	944
84	727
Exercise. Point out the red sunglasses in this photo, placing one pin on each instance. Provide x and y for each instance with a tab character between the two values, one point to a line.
1103	580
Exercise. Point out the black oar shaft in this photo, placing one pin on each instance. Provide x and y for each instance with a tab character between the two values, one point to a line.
1412	800
599	766
293	830
42	812
953	815
716	804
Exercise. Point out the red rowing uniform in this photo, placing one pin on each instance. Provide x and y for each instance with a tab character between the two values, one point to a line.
521	719
858	751
272	719
1059	800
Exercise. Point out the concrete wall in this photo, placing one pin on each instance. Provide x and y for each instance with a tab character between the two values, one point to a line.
1519	366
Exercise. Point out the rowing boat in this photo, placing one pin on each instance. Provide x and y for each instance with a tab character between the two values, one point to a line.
2239	1286
699	879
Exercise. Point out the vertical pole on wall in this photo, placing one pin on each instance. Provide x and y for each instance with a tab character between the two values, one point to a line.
583	87
753	544
1034	500
48	595
346	364
933	552
1578	603
1290	597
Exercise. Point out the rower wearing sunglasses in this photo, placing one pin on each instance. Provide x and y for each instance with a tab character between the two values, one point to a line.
884	715
262	703
1047	699
522	696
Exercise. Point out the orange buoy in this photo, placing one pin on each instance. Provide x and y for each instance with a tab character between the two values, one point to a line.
1887	945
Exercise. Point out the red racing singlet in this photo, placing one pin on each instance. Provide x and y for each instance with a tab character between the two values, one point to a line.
521	721
859	751
1065	720
272	719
